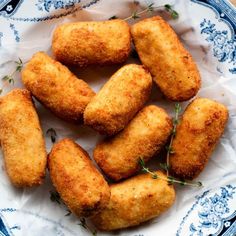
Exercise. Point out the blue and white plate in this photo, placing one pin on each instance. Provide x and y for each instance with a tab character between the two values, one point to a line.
207	28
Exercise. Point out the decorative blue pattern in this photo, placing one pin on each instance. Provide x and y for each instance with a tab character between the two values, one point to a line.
56	4
55	16
15	32
69	7
224	47
223	10
9	7
6	230
1	35
213	213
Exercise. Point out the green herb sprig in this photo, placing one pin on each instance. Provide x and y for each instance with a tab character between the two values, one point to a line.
169	178
52	133
9	79
84	224
174	14
55	197
169	148
149	9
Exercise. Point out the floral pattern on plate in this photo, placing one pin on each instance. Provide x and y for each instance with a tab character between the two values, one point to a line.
211	214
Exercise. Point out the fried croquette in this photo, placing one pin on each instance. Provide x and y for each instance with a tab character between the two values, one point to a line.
92	43
56	87
119	100
172	67
202	124
21	139
80	185
143	137
134	201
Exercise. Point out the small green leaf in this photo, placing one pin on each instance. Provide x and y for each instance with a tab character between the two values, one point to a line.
170	179
55	197
135	15
199	184
68	212
19	68
52	134
154	176
167	7
183	183
83	223
113	17
11	81
150	7
6	77
141	162
177	108
164	166
175	15
20	60
175	121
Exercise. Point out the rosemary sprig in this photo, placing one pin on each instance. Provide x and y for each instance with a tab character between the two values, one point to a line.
52	133
169	178
150	8
169	148
83	223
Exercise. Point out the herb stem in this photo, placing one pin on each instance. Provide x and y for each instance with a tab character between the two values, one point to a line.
151	8
170	147
169	179
138	14
83	223
10	78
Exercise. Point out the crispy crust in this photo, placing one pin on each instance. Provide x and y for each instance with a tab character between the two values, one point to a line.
22	139
202	125
92	43
134	201
79	183
144	136
119	100
172	67
56	87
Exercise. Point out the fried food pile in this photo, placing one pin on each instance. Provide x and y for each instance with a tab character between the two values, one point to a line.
119	110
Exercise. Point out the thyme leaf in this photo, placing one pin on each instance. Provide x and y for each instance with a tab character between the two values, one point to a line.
83	223
169	178
169	148
151	8
55	197
10	78
68	212
174	14
113	17
52	133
